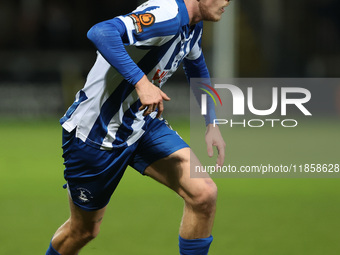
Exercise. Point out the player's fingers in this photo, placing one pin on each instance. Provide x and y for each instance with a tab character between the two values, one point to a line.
154	107
165	96
221	155
142	107
160	109
210	149
147	110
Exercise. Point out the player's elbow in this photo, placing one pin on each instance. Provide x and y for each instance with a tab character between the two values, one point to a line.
103	33
95	33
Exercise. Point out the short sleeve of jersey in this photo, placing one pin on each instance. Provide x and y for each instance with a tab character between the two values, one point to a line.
153	23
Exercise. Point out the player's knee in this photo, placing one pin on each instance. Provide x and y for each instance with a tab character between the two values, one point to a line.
204	201
90	234
86	234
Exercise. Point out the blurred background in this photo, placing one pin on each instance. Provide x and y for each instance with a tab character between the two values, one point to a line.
45	54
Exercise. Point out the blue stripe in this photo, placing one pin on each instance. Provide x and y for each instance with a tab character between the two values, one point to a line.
174	54
178	46
198	29
108	110
125	128
154	56
73	107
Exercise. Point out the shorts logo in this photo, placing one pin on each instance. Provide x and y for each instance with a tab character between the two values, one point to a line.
84	195
142	20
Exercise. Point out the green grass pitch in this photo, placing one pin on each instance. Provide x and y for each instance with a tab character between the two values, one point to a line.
254	216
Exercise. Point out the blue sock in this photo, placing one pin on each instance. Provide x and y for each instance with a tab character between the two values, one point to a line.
51	250
194	246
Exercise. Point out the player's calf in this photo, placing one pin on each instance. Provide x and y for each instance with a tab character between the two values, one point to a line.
199	213
199	210
76	232
70	238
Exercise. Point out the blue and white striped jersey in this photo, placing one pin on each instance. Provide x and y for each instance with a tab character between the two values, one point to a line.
105	112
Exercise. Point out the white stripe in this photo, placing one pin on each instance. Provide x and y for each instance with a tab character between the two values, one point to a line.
137	128
117	120
155	41
196	51
168	10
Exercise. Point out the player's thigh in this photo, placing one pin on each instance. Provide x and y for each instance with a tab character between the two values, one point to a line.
92	174
158	142
87	222
174	172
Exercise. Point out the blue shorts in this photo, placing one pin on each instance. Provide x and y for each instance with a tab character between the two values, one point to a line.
92	174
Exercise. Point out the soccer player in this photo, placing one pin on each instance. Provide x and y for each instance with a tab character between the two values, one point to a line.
116	121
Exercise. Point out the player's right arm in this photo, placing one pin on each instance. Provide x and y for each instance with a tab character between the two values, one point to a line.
109	38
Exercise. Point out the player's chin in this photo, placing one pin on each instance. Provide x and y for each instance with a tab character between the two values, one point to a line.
211	15
215	18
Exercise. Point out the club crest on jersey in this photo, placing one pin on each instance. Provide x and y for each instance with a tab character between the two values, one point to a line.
142	20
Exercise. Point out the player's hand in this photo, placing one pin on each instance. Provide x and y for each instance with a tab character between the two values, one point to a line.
213	137
150	96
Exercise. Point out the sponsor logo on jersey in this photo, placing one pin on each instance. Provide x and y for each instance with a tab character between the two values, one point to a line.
141	21
158	77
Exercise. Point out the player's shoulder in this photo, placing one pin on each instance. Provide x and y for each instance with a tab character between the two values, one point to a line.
166	8
172	4
155	19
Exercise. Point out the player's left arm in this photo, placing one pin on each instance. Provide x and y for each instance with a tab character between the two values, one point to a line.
197	68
